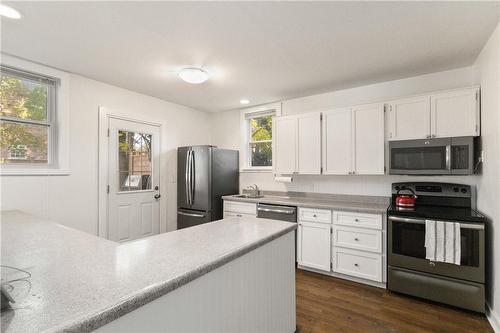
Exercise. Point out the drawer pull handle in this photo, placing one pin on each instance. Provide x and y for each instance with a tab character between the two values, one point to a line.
356	239
356	265
239	215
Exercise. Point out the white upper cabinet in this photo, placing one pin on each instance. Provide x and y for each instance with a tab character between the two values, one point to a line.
337	142
298	144
455	113
409	118
309	144
369	139
447	114
285	135
353	140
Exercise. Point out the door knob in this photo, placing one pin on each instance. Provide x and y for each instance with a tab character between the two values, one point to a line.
157	196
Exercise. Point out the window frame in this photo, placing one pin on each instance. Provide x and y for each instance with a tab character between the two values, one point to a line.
57	119
273	109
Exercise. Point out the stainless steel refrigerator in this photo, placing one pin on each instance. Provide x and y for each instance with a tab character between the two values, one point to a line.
204	175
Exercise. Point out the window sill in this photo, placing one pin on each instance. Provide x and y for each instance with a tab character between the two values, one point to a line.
256	170
33	172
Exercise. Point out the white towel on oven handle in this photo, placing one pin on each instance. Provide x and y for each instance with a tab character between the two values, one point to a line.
442	241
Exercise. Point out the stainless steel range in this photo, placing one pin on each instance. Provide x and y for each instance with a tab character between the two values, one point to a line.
410	272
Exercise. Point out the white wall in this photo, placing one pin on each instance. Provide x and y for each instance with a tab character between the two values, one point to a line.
487	71
226	129
72	200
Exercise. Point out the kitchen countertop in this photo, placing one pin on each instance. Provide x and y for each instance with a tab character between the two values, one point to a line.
80	282
354	203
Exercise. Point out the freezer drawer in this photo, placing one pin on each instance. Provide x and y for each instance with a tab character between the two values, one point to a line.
190	218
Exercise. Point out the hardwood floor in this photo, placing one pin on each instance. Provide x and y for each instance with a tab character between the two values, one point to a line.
326	304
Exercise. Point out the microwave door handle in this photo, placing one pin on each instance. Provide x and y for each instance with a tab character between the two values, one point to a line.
448	157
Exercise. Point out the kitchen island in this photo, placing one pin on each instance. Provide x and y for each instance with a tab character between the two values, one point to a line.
232	275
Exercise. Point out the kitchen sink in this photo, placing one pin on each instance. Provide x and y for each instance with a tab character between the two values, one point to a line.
248	196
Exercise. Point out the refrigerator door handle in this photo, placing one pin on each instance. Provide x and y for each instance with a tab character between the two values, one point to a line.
187	178
192	180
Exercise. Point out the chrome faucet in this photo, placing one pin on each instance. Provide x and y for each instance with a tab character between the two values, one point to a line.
255	189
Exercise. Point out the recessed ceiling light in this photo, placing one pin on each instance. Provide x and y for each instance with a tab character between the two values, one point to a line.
244	101
9	12
193	75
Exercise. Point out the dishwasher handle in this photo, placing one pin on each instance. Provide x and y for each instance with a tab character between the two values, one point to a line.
276	210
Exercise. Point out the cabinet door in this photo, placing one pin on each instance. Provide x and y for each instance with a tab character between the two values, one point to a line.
409	118
369	139
314	245
286	144
337	142
455	113
309	144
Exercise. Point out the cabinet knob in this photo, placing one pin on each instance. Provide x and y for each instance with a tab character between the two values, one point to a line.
356	265
314	215
239	215
356	220
356	239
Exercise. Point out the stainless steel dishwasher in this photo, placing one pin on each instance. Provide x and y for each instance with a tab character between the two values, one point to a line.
282	213
277	212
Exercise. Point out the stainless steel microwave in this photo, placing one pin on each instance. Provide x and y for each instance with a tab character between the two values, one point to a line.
443	156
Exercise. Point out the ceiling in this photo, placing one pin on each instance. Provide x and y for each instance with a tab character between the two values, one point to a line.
262	51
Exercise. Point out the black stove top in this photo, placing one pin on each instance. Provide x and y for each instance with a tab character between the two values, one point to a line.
462	214
437	201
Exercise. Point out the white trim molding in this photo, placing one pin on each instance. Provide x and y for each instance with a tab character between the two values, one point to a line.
244	113
493	318
62	119
102	188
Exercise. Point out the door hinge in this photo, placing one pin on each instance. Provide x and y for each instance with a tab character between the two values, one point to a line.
108	132
107	189
321	169
331	266
321	117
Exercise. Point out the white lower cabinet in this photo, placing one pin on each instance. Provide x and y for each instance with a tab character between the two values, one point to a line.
238	208
313	245
349	245
357	263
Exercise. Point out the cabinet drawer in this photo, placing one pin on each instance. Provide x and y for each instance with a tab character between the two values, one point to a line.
357	238
356	263
372	221
235	214
315	215
240	207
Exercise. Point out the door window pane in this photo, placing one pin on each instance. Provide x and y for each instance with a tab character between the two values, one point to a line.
134	161
23	143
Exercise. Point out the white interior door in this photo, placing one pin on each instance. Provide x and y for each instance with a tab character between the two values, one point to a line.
134	180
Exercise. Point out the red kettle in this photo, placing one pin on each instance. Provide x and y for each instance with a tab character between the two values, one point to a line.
406	200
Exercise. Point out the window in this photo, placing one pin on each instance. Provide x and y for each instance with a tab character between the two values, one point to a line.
260	143
27	118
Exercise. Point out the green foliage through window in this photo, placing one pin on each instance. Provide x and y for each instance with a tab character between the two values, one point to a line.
24	118
261	135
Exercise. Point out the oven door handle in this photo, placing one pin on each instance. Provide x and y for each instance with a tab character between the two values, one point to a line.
421	221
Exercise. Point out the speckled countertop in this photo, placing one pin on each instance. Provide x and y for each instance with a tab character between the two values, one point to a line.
80	282
354	203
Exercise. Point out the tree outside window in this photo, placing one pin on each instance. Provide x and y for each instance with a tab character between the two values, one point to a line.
260	143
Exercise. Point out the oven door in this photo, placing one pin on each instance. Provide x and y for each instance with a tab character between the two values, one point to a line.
406	249
420	157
